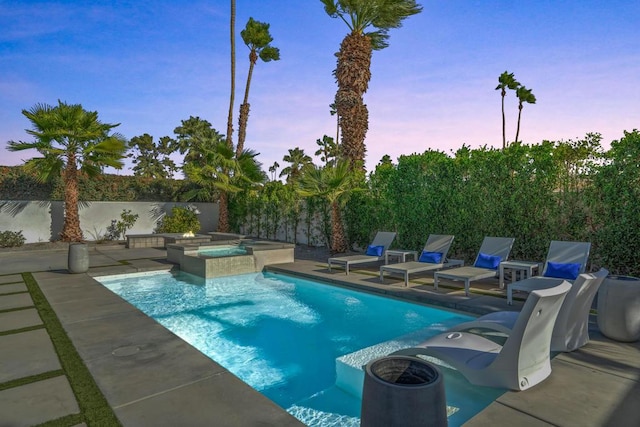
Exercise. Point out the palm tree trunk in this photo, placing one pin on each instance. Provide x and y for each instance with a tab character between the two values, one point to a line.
338	239
71	231
504	132
244	108
223	216
518	128
353	73
233	74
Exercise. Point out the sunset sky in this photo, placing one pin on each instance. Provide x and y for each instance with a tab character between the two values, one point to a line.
150	64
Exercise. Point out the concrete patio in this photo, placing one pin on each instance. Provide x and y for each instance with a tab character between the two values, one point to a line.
149	376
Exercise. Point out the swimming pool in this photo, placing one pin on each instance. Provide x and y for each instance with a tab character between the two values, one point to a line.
285	336
223	251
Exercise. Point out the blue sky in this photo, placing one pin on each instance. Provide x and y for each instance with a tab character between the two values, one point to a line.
150	64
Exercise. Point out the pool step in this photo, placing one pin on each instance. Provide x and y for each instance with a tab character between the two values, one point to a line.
350	367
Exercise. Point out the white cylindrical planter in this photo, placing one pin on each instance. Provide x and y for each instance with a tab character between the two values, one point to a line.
403	391
619	308
78	260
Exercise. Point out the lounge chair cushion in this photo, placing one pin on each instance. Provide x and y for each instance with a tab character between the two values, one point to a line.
563	271
374	250
487	261
432	257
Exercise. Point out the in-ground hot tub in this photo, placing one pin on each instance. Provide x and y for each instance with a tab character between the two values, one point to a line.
226	258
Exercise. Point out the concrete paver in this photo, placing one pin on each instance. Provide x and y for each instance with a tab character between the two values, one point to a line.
8	302
576	396
13	288
25	354
9	278
19	319
37	402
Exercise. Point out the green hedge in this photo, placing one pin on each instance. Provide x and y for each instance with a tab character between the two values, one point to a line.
16	184
567	190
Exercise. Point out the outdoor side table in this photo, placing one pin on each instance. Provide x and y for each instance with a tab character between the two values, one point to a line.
525	268
401	254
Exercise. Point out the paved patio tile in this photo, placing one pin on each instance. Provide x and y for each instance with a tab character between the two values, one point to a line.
38	402
575	397
10	278
13	287
219	394
8	302
25	354
19	319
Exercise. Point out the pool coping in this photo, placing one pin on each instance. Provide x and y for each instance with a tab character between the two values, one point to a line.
596	385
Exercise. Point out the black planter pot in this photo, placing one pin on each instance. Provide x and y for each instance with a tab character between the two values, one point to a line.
403	391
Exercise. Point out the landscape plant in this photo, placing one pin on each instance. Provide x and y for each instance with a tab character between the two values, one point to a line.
72	142
11	239
181	220
369	22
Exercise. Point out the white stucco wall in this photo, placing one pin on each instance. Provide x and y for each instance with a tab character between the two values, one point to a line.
41	221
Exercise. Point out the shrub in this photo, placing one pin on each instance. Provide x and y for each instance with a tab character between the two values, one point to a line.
119	229
11	239
181	220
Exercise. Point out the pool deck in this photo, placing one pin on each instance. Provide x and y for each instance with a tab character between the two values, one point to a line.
149	376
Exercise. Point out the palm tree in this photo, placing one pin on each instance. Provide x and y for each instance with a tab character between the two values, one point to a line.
328	150
524	95
193	137
335	184
220	174
274	169
353	70
257	38
297	160
505	81
232	27
71	141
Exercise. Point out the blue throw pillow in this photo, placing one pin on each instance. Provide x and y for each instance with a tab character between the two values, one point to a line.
487	261
432	257
374	250
562	271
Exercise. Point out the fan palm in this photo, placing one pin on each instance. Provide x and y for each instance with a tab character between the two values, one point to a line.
222	173
297	160
524	95
71	141
505	81
257	38
353	70
335	184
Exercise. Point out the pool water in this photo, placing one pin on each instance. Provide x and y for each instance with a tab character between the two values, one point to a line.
282	335
223	251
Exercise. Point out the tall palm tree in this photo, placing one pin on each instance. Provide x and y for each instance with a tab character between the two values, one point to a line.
274	169
524	95
257	38
335	184
297	160
353	70
232	28
506	81
328	150
71	141
221	174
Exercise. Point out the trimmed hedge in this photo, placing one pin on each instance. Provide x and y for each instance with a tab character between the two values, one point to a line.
16	184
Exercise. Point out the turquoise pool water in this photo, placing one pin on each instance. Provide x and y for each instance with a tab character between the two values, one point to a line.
223	251
282	335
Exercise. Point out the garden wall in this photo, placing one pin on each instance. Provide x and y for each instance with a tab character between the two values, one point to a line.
42	221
